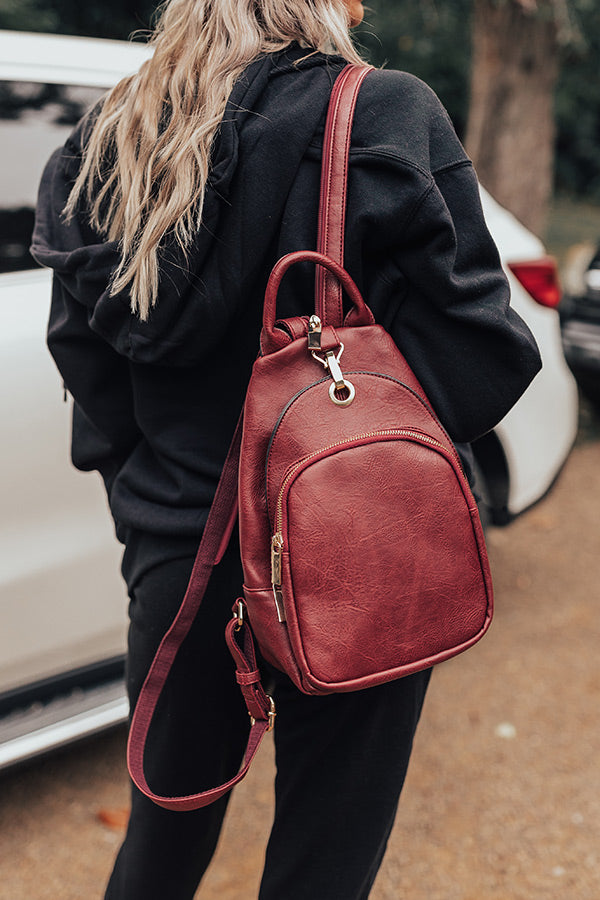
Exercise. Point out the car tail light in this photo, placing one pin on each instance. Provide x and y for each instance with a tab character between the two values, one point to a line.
540	279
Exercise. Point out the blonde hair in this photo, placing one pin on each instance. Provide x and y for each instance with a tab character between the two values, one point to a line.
146	163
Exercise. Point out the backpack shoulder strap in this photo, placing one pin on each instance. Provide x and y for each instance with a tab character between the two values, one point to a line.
334	182
215	536
223	511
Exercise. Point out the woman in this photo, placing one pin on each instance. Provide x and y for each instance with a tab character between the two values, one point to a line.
162	217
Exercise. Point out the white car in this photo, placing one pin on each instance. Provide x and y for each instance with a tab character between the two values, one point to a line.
62	602
522	456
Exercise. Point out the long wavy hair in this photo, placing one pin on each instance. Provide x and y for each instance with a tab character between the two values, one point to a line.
146	162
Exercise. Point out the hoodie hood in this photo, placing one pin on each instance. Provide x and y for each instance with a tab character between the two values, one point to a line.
269	121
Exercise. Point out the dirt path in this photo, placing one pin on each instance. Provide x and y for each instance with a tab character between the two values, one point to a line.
502	800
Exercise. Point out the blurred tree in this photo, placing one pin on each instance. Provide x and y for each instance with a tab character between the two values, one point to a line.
520	48
431	38
510	132
578	106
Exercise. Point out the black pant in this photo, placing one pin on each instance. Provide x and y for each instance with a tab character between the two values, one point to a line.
341	760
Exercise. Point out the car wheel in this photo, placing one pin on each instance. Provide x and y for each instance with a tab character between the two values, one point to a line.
589	385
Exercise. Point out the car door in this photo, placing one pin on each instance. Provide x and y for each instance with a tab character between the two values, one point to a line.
62	603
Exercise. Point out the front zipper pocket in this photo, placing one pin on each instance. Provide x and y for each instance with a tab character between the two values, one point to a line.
366	437
277	541
376	531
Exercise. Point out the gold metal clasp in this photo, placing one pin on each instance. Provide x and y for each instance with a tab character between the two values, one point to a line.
341	392
270	715
314	333
324	359
333	365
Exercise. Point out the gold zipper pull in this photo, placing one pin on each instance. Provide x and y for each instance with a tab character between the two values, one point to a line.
276	548
276	551
314	333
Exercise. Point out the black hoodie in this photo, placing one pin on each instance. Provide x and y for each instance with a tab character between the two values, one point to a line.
155	403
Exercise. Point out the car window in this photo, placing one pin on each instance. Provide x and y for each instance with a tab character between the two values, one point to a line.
35	119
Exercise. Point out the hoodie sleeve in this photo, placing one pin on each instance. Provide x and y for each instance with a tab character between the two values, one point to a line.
104	427
434	277
473	353
82	260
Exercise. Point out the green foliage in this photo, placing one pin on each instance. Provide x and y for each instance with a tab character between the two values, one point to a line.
578	106
430	38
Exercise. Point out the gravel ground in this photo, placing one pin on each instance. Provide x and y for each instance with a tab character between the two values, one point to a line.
502	800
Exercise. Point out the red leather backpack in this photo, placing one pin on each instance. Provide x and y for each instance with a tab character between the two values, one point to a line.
363	554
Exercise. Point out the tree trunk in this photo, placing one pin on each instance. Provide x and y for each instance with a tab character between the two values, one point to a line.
510	130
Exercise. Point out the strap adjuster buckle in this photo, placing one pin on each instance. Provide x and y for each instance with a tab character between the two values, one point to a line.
270	715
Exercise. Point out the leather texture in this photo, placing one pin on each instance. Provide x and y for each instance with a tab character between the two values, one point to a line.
381	556
274	338
334	183
238	639
384	565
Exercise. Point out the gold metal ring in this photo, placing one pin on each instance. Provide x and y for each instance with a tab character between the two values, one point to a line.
333	389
